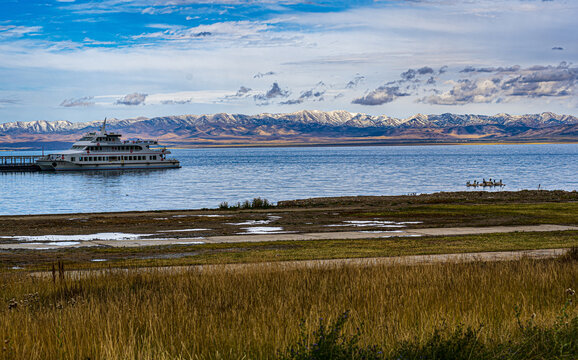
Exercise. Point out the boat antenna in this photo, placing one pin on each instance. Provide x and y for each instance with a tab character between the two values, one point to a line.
103	126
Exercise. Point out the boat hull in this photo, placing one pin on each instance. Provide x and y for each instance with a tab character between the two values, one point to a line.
60	165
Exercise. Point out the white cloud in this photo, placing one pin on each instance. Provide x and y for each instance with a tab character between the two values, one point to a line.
7	31
196	97
232	30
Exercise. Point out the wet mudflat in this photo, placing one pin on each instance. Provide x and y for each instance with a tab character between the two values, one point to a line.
325	228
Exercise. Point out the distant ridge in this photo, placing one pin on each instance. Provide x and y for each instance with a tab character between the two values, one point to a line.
304	127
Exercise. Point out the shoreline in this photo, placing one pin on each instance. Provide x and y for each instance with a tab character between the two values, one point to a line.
330	144
282	204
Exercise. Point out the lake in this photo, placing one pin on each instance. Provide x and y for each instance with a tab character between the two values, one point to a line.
211	176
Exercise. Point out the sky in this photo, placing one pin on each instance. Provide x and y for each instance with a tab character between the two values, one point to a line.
80	60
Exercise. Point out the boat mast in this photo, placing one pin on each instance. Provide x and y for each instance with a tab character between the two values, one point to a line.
102	129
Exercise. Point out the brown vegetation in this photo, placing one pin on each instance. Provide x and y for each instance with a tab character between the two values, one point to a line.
255	312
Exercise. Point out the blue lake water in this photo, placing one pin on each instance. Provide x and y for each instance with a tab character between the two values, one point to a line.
211	176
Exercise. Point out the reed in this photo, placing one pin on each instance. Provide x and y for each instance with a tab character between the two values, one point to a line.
257	311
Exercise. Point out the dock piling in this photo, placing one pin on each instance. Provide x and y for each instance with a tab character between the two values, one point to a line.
19	163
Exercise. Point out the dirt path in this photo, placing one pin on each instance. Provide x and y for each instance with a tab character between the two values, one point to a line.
375	261
352	235
340	235
400	260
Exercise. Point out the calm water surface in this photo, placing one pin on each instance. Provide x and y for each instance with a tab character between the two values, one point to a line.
211	176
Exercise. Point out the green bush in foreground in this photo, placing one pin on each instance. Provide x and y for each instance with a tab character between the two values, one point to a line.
256	203
330	343
560	341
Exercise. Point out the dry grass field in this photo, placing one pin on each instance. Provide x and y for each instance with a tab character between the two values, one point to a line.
256	312
129	307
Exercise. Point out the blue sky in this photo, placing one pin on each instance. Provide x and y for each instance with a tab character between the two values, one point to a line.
86	60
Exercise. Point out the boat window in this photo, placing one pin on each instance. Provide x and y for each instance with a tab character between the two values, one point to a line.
72	159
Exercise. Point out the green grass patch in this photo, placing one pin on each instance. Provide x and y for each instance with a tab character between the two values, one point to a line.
485	214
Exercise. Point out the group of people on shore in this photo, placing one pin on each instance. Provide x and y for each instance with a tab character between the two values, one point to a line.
485	183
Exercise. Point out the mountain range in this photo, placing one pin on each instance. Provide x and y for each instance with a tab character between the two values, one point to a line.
302	128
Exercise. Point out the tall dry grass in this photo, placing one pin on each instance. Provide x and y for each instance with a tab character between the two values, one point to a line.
255	311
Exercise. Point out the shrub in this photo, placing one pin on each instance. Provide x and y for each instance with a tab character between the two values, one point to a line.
443	344
572	254
329	343
256	203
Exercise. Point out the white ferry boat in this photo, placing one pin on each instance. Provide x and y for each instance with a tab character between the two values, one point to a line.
106	151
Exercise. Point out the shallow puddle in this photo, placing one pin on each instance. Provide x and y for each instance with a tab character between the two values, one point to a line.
270	219
369	223
182	230
263	230
75	238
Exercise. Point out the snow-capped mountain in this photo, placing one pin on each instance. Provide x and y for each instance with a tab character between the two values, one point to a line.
306	127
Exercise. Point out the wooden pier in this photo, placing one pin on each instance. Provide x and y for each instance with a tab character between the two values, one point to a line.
19	163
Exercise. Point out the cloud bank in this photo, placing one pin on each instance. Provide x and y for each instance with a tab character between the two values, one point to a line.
509	84
132	99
